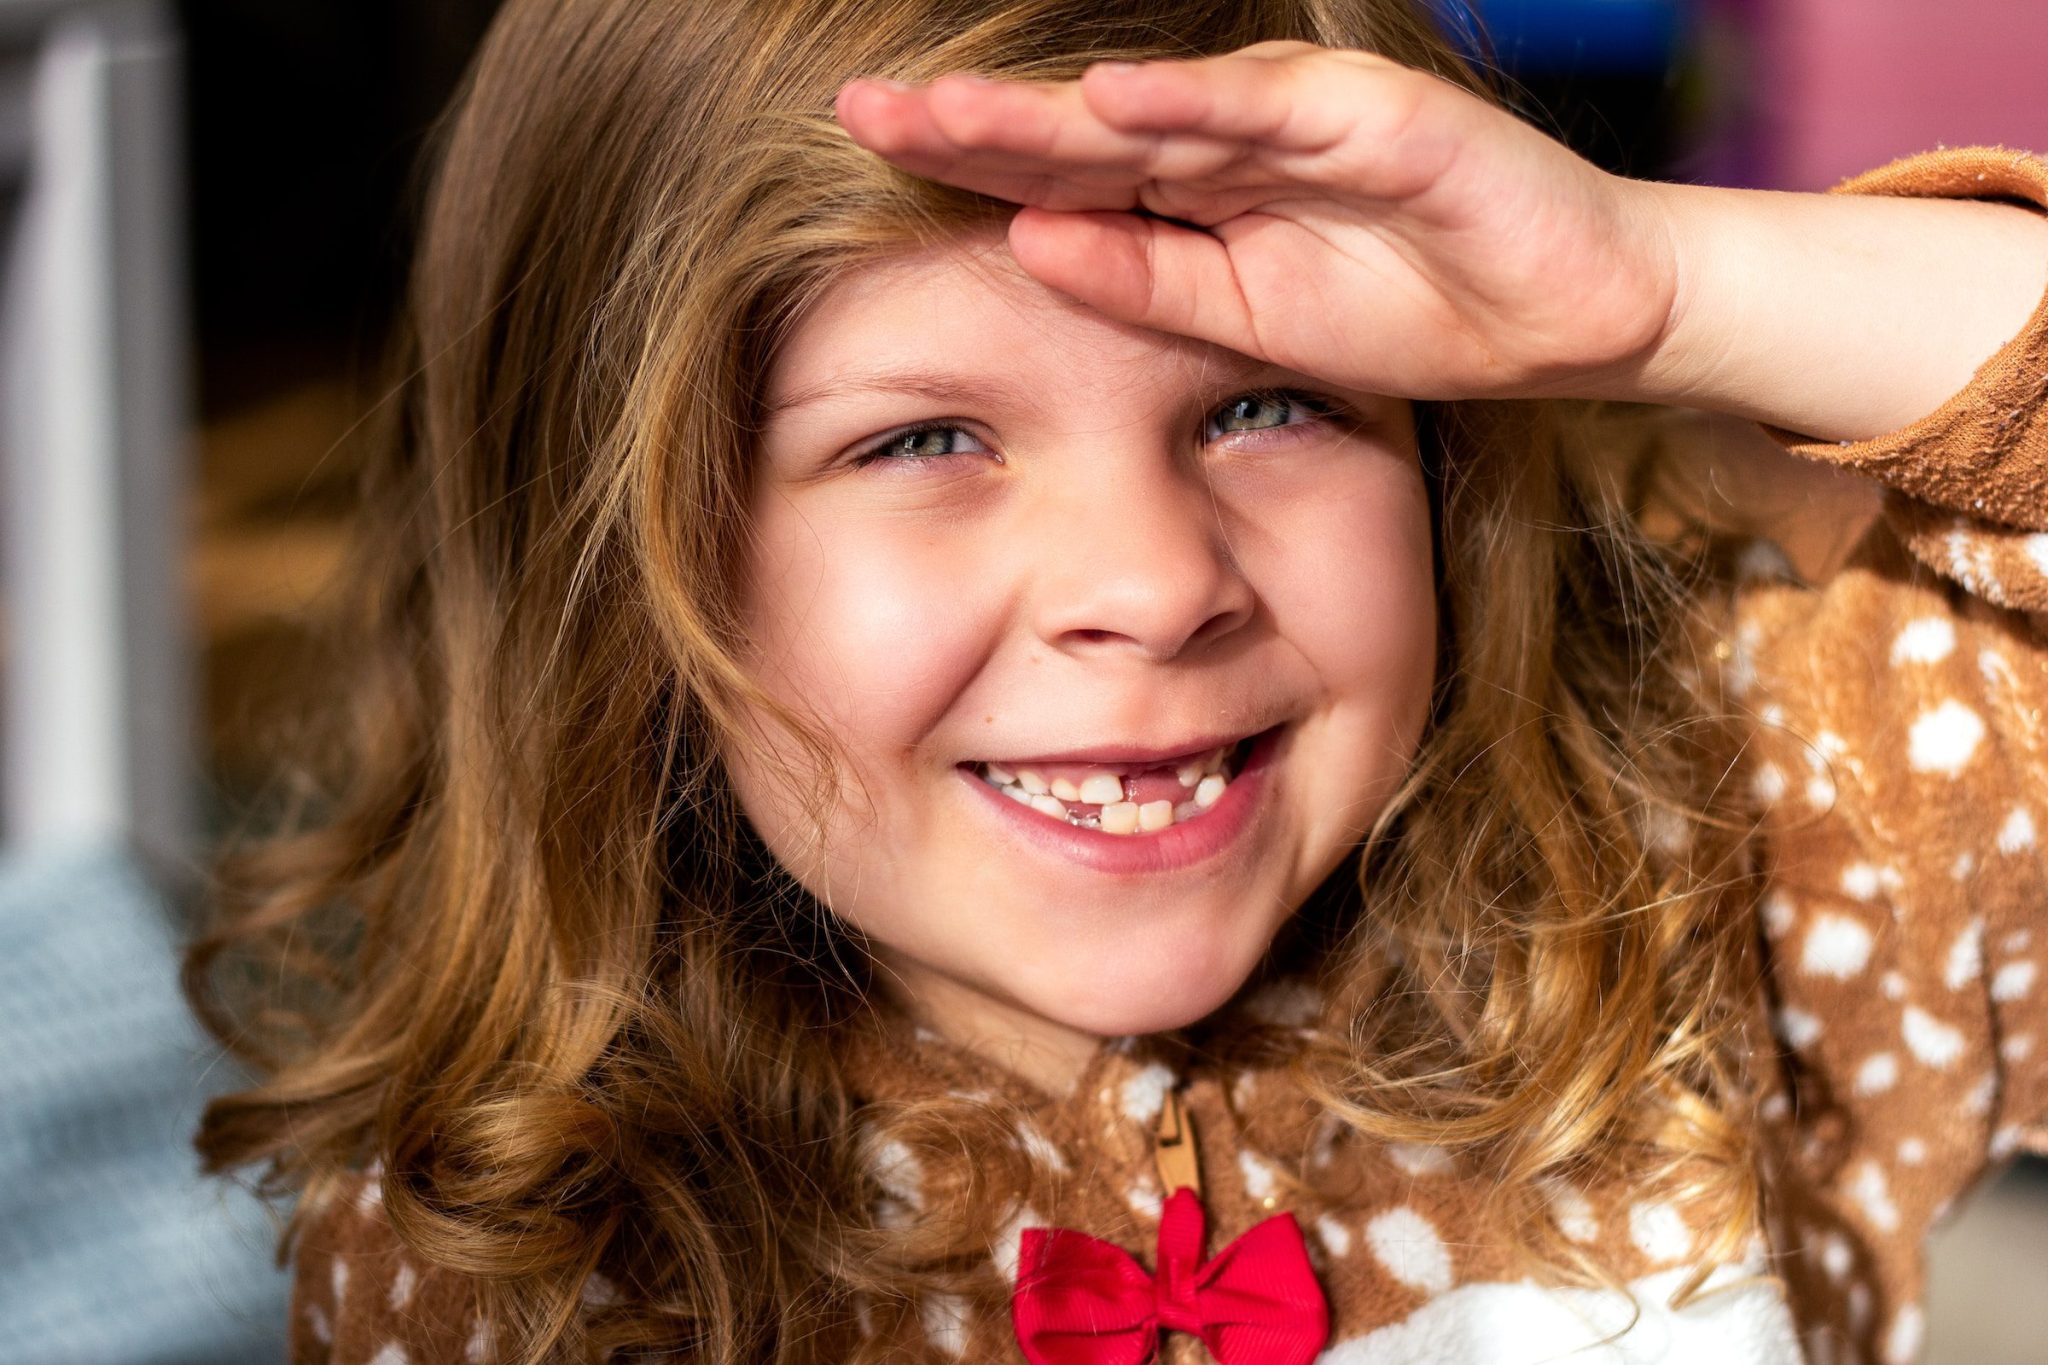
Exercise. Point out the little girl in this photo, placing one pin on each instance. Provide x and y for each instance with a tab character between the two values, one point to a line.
1122	779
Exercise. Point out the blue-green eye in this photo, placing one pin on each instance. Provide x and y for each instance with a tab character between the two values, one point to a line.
1284	403
932	441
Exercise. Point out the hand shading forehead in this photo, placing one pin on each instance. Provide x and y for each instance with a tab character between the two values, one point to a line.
961	322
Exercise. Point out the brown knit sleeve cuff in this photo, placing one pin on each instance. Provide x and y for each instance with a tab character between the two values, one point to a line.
1981	457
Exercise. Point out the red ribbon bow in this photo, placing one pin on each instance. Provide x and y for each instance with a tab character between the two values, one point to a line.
1082	1301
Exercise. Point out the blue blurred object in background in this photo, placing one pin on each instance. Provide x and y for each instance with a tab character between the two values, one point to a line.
112	1246
1569	35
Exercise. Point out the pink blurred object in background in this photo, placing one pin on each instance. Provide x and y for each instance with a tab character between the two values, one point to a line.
1841	87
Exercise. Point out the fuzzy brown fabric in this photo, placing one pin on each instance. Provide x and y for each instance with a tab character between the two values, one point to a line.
1901	746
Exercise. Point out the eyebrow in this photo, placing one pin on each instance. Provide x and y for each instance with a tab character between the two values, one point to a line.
1221	373
932	384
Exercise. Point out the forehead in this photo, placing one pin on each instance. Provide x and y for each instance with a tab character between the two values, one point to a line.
965	307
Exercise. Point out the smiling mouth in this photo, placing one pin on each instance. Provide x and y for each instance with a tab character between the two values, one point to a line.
1125	799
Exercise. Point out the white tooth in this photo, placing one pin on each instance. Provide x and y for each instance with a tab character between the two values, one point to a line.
1033	783
1065	790
1211	791
1190	773
1017	794
1000	775
1120	817
1047	805
1155	815
1102	789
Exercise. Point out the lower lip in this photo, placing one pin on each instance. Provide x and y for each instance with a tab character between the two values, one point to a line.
1167	850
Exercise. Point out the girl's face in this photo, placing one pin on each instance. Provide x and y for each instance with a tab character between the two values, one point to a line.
1125	640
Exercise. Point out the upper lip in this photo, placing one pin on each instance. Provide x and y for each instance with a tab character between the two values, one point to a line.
1131	754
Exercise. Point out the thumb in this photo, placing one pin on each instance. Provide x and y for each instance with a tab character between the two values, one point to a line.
1139	270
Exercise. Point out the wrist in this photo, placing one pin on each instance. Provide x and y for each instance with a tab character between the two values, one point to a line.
1675	363
1840	317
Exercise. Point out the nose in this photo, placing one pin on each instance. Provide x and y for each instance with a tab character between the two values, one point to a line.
1144	568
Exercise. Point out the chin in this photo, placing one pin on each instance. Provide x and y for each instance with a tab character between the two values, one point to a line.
1153	992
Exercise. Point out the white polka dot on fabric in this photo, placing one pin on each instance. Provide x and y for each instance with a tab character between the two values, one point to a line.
401	1287
1419	1158
1336	1238
1928	640
1145	1093
1933	1042
1036	1145
1912	1151
1873	1195
1862	881
1878	1074
1768	783
1009	1242
316	1322
1659	1231
2012	982
1836	946
370	1196
1836	1257
2036	546
2017	834
1979	1099
2005	1141
945	1318
1407	1244
1944	739
1962	867
1893	985
1574	1214
1144	1198
2017	1047
1260	1180
898	1172
478	1349
1780	914
1902	1341
1797	1027
391	1353
1965	956
339	1276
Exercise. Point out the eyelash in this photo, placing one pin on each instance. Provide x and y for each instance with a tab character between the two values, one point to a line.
1318	409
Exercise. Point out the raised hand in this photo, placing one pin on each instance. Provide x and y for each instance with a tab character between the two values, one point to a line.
1352	218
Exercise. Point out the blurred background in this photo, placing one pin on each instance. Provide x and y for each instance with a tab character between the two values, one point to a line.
206	211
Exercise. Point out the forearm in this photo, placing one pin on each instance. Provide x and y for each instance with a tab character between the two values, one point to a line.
1840	317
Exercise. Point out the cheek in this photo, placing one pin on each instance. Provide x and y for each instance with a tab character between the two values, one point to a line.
872	630
1349	574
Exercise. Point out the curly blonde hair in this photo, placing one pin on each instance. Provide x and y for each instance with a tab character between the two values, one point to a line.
515	942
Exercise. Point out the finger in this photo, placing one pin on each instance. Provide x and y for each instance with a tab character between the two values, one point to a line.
1138	270
1289	97
1031	142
